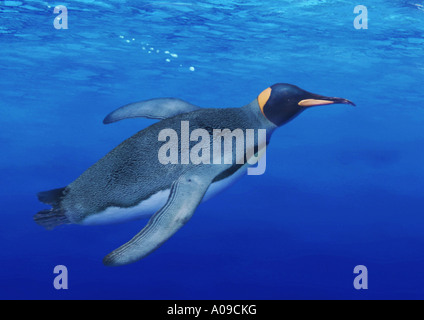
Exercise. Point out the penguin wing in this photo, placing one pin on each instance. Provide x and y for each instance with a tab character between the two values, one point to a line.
151	109
186	194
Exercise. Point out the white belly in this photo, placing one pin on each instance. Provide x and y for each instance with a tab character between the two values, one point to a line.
150	206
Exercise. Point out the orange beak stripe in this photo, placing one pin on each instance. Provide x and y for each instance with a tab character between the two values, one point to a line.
314	102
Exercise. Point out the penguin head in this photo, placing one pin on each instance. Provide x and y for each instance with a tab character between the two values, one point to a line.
283	102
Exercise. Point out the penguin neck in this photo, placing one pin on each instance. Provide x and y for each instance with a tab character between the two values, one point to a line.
258	117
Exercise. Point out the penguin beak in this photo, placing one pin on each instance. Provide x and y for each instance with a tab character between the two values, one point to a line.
318	100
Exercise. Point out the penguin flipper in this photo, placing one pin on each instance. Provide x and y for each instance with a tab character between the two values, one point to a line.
160	109
186	194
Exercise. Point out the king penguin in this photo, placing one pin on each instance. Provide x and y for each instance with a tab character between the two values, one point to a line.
130	182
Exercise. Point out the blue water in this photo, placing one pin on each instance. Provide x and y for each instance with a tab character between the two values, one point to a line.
343	186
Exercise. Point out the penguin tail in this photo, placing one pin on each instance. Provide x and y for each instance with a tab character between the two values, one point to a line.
54	217
50	219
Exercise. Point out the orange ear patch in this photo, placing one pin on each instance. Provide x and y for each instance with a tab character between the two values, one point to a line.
263	99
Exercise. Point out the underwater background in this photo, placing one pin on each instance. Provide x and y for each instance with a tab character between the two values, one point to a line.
343	186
